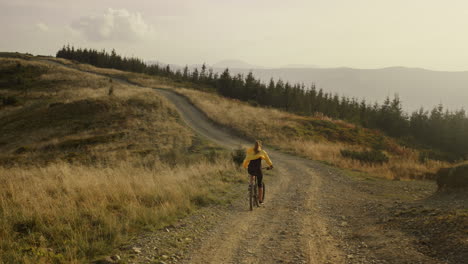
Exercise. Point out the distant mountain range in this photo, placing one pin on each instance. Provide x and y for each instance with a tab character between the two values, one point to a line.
231	64
416	87
235	64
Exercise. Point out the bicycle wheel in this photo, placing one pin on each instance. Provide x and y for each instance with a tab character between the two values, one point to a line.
263	196
256	193
251	198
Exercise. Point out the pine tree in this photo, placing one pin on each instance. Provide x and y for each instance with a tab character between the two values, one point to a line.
186	73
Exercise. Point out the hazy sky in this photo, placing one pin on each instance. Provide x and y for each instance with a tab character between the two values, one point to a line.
330	33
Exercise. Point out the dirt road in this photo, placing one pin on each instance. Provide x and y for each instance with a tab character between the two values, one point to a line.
287	229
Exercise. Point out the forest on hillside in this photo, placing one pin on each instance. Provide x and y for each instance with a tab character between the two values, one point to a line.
442	132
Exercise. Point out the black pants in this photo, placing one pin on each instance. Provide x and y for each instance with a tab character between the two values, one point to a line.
255	169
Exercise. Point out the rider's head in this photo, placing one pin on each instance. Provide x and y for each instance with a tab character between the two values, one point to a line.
258	145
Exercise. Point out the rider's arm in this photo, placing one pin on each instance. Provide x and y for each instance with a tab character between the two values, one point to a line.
245	164
267	158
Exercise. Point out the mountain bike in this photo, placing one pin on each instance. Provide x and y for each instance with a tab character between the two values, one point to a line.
253	192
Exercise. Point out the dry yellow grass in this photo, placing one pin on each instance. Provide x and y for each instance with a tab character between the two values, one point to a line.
69	213
404	166
284	130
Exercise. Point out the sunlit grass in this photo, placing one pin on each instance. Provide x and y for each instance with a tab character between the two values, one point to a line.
78	212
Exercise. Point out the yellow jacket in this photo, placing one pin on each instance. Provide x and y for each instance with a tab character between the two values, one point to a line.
252	156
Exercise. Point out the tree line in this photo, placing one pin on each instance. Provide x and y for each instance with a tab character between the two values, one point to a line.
438	128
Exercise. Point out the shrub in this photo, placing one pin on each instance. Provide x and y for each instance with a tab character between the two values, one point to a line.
371	157
238	156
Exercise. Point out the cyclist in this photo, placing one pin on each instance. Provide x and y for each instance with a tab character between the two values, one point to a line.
253	164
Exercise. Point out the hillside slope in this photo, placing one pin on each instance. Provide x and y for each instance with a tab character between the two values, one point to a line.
83	159
63	113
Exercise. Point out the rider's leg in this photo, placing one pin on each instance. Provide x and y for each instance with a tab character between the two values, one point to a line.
260	187
260	194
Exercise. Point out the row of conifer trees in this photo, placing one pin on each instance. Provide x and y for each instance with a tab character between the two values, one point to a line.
446	131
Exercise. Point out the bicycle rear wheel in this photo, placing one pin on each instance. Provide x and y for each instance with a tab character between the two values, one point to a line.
255	193
263	196
251	198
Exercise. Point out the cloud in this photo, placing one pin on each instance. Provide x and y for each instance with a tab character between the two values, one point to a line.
42	27
114	25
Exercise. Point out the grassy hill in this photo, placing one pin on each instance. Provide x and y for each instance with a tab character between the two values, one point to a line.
86	162
59	113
